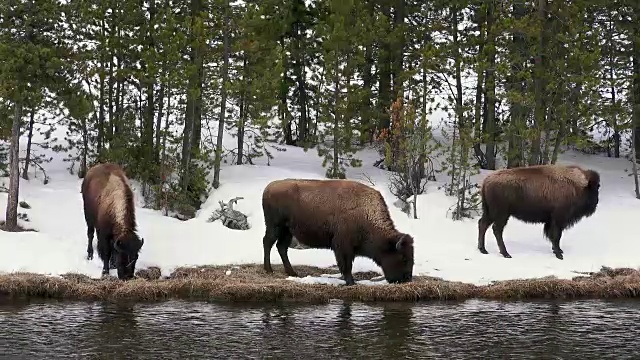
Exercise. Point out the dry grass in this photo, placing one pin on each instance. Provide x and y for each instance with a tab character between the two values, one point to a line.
251	283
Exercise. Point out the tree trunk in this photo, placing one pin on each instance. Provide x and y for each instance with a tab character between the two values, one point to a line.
634	162
110	100
398	48
303	123
477	107
459	120
223	94
284	93
539	74
384	77
161	198
336	118
195	83
636	78
243	116
614	117
635	97
158	131
11	216
163	156
516	124
101	114
119	103
491	89
27	158
191	135
367	83
85	148
149	82
458	69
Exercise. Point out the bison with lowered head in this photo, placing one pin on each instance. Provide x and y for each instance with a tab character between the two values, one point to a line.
109	209
346	216
557	196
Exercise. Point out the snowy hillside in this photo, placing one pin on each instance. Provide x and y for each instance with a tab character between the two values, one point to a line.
443	248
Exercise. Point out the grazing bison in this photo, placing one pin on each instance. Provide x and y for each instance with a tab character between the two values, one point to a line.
109	209
348	217
558	196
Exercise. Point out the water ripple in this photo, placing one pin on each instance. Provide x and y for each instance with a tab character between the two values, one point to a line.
469	330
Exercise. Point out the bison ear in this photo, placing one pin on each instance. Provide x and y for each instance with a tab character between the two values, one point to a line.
403	241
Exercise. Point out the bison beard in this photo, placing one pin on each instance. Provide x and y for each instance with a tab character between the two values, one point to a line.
348	217
558	196
109	210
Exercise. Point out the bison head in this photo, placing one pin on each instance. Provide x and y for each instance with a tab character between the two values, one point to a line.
127	249
590	200
397	258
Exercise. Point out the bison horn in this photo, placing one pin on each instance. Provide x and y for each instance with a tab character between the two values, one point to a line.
116	246
399	243
141	242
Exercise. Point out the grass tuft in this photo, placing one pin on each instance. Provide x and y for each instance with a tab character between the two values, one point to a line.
249	282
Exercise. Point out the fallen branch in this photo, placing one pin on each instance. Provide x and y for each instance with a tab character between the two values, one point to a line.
231	218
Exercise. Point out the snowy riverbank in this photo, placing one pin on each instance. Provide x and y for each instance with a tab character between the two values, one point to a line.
443	248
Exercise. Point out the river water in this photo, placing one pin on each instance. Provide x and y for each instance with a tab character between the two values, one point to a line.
187	330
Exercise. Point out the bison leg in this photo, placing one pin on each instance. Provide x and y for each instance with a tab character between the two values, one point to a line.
498	228
104	250
284	241
554	232
483	225
268	240
113	259
345	264
90	232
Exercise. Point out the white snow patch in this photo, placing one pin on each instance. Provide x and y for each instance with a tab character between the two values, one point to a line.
331	279
443	248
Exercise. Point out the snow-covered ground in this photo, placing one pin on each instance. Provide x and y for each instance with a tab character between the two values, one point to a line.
444	248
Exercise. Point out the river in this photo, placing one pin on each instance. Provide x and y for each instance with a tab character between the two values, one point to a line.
475	329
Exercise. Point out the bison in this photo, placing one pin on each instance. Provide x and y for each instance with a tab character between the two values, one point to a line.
109	209
558	196
346	216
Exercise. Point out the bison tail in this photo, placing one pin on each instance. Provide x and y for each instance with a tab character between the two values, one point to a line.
483	200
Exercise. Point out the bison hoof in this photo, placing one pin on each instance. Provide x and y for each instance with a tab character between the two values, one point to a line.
349	282
483	250
506	255
559	256
90	257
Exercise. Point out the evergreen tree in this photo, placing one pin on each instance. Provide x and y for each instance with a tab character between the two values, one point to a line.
34	53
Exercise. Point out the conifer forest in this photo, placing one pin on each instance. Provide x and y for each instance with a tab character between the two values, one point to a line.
155	85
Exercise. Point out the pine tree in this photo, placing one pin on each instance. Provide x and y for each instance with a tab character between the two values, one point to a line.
33	60
340	58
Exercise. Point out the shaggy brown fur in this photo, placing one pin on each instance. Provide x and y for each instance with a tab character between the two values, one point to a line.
348	217
558	196
109	209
